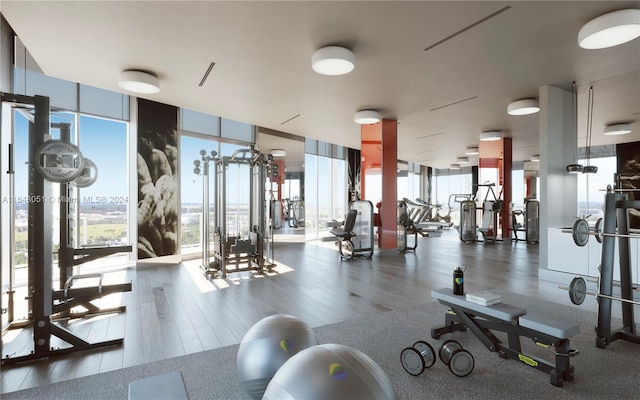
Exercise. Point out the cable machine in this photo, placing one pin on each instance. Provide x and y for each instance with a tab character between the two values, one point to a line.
57	161
242	237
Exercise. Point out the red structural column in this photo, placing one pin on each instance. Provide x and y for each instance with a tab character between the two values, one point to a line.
507	187
499	155
379	149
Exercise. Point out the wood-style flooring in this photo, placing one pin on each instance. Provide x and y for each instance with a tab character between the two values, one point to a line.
175	310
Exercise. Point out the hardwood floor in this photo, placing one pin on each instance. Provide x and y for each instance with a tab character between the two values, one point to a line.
174	310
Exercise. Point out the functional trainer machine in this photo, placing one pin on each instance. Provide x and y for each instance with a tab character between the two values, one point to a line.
243	246
61	162
515	323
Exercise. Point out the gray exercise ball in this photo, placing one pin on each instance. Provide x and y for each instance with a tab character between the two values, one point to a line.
266	346
330	371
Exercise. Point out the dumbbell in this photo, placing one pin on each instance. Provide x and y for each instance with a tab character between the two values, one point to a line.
417	358
459	360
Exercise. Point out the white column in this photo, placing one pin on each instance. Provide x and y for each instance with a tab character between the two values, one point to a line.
558	147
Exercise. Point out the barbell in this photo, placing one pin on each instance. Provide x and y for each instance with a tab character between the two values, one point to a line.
581	232
578	292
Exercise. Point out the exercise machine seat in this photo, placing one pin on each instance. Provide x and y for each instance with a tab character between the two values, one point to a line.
346	232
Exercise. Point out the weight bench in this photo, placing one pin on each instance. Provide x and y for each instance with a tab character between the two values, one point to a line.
515	322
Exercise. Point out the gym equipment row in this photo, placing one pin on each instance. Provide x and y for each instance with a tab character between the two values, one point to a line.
407	227
421	356
57	161
355	235
615	224
491	208
529	223
421	213
516	323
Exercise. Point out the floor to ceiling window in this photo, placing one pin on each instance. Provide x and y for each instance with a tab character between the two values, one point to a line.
325	187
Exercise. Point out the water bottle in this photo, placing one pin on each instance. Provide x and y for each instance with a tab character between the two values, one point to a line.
458	281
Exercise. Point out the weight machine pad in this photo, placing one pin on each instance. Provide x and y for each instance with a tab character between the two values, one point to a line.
549	325
169	386
500	311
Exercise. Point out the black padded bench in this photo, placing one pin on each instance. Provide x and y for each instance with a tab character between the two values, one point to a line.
516	323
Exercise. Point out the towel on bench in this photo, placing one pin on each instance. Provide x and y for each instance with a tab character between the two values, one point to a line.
485	298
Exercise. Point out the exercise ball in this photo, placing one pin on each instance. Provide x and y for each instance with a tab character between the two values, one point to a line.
330	371
266	346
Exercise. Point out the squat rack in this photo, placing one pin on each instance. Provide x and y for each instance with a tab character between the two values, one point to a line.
45	303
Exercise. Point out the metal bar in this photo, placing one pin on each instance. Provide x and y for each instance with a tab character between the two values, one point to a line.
630	235
596	294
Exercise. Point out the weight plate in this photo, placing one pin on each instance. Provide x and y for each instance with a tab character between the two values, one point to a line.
598	230
581	232
462	363
577	290
427	352
447	348
412	361
88	175
58	160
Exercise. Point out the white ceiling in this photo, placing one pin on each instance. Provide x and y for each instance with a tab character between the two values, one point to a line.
443	98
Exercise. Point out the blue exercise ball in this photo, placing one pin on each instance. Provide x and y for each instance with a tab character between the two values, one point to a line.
330	371
266	346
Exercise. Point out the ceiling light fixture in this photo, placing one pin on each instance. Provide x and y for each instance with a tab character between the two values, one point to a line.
463	160
139	82
454	166
535	158
490	136
333	60
471	150
278	152
617	129
610	29
523	107
367	117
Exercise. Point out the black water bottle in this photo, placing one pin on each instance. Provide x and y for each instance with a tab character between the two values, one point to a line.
458	281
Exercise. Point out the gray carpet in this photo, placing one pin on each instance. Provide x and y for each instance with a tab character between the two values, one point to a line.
611	373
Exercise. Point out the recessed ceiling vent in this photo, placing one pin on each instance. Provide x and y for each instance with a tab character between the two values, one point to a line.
206	74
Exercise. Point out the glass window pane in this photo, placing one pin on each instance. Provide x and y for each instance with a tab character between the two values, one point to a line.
191	195
62	94
104	103
198	122
237	130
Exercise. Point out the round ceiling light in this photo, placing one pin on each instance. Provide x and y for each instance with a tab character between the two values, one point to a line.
278	152
367	117
463	160
535	158
333	60
523	107
139	82
471	151
490	136
617	129
610	29
454	166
